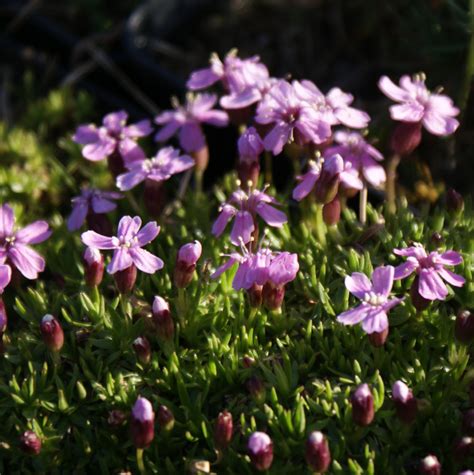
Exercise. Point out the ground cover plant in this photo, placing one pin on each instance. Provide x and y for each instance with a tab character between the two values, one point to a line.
150	325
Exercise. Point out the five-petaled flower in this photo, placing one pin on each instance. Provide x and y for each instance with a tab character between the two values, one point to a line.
14	244
375	299
430	270
112	136
127	245
167	162
188	119
416	104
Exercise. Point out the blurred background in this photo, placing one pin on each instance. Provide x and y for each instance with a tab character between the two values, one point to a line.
132	55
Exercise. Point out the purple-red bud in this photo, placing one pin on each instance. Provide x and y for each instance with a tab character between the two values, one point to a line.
3	317
317	454
436	238
116	418
468	422
464	326
142	348
332	212
93	267
30	443
125	279
248	361
154	197
378	339
454	201
326	187
188	255
162	319
223	430
52	333
430	466
419	302
256	388
116	164
406	405
255	295
142	424
405	138
260	448
165	418
273	295
362	405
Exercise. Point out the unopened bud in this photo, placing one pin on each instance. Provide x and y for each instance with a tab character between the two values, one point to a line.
165	418
93	267
125	279
326	187
430	466
154	197
3	317
162	319
52	333
116	418
378	339
454	201
223	430
468	422
436	239
188	255
142	348
30	443
464	326
273	296
317	454
405	403
260	448
332	212
362	405
116	164
142	424
255	295
419	302
256	389
405	138
248	361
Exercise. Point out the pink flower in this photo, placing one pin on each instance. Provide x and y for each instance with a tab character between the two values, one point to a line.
417	104
430	269
90	201
188	119
166	163
375	302
5	277
127	245
260	448
14	247
324	177
245	211
334	107
293	118
142	423
113	136
250	145
361	155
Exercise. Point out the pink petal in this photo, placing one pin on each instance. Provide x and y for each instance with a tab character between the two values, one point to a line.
391	90
240	100
351	117
148	233
242	229
376	321
417	252
442	105
167	131
408	112
86	134
27	261
430	285
354	315
350	179
140	129
226	214
272	216
34	233
5	276
121	260
115	120
130	151
338	98
127	181
128	227
308	180
215	117
202	78
99	150
358	284
451	277
93	239
179	164
191	137
438	124
102	205
382	279
449	258
7	221
277	138
224	267
78	216
389	304
405	269
146	261
374	173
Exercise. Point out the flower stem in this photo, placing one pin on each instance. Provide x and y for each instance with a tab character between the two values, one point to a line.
392	166
198	177
140	463
182	306
363	204
320	227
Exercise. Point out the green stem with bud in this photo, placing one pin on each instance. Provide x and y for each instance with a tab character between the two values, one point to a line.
392	165
320	226
363	204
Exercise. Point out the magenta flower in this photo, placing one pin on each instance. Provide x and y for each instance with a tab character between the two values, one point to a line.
361	155
14	244
293	118
375	302
161	167
113	136
260	448
142	423
245	211
90	201
324	178
188	119
416	104
127	245
430	269
334	107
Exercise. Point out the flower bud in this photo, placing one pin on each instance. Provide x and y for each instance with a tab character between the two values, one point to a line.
419	302
332	212
30	443
378	339
463	448
362	405
125	279
468	422
405	403
256	389
223	430
154	197
165	418
255	295
116	418
142	423
430	466
93	267
273	296
201	159
116	164
318	456
260	448
188	255
454	201
52	333
326	187
3	317
464	326
248	361
162	319
142	348
405	138
436	239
